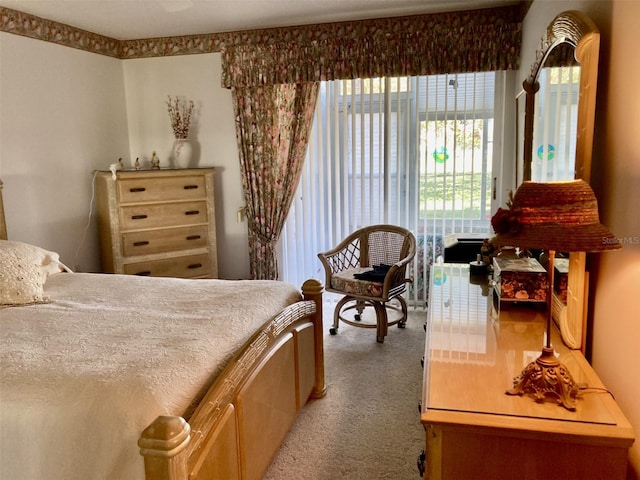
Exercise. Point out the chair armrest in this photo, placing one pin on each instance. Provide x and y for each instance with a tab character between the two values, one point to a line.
337	260
343	256
396	277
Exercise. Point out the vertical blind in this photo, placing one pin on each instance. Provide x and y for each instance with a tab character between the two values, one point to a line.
555	124
460	329
411	151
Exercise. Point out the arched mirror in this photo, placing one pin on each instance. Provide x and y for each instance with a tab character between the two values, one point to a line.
558	136
555	116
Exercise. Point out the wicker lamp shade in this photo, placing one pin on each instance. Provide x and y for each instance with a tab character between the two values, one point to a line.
560	216
554	216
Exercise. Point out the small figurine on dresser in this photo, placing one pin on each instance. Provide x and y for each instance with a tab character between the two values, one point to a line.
155	161
137	164
487	252
120	164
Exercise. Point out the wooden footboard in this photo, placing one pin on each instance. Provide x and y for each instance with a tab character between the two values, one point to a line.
243	419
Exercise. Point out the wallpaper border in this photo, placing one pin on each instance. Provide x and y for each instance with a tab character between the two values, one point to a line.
27	25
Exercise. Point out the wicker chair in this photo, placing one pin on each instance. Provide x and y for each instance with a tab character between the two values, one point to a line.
369	269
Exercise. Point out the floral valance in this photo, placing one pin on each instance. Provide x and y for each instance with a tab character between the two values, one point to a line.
469	41
490	36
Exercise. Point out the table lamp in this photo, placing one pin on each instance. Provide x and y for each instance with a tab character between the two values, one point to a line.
554	216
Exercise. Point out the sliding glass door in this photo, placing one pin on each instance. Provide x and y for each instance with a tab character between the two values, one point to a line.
411	151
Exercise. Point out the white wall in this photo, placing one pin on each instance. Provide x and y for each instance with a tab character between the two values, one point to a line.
616	299
615	303
65	113
197	77
62	114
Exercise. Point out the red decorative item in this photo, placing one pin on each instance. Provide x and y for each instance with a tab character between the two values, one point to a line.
506	221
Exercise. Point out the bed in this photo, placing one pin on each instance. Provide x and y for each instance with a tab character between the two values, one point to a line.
203	378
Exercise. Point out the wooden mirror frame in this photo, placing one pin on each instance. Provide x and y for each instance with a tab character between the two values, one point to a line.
576	28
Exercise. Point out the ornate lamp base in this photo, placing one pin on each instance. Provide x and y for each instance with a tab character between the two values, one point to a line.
546	376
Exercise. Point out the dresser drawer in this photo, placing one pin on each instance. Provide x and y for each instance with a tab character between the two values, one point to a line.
158	189
198	265
165	240
158	222
137	217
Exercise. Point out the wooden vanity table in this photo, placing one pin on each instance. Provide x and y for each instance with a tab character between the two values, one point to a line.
474	430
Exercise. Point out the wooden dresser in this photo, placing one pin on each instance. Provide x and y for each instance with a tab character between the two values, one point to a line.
158	222
474	430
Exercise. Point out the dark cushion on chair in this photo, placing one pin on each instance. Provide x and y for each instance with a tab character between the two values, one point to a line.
377	274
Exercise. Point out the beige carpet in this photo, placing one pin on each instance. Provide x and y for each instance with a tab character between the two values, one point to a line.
368	424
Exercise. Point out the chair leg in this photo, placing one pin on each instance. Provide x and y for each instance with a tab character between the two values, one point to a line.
405	312
360	305
381	321
382	317
336	314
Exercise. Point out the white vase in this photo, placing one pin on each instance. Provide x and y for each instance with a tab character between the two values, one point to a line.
182	153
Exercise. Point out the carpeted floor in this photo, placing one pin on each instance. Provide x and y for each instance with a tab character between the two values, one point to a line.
368	424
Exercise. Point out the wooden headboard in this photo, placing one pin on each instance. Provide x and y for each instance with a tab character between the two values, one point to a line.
3	224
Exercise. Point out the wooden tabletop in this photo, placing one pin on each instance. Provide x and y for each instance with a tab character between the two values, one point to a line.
473	352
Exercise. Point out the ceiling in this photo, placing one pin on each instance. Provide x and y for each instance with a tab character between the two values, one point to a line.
135	19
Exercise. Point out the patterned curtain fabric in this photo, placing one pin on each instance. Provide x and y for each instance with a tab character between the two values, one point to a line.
274	73
272	130
468	41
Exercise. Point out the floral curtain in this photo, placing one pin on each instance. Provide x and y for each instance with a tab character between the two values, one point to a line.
504	21
274	73
467	41
272	130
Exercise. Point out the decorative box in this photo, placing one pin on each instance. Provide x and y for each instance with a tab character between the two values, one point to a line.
561	278
519	280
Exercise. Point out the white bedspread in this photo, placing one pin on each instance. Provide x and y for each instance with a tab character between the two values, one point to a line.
82	376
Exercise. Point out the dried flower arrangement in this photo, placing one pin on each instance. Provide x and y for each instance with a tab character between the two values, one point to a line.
180	115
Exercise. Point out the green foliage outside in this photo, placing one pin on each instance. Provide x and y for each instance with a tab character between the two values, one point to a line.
443	194
452	196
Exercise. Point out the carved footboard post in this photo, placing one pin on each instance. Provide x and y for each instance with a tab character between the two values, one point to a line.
161	445
312	290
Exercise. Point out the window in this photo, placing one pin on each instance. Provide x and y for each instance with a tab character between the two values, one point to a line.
555	124
412	151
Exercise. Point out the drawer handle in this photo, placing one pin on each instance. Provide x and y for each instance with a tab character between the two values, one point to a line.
190	187
141	243
192	212
194	266
194	237
137	189
138	217
144	273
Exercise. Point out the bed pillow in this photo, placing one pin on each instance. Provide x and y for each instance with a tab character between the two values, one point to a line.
23	272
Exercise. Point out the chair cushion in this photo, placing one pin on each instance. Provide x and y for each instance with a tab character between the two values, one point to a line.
346	282
377	274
